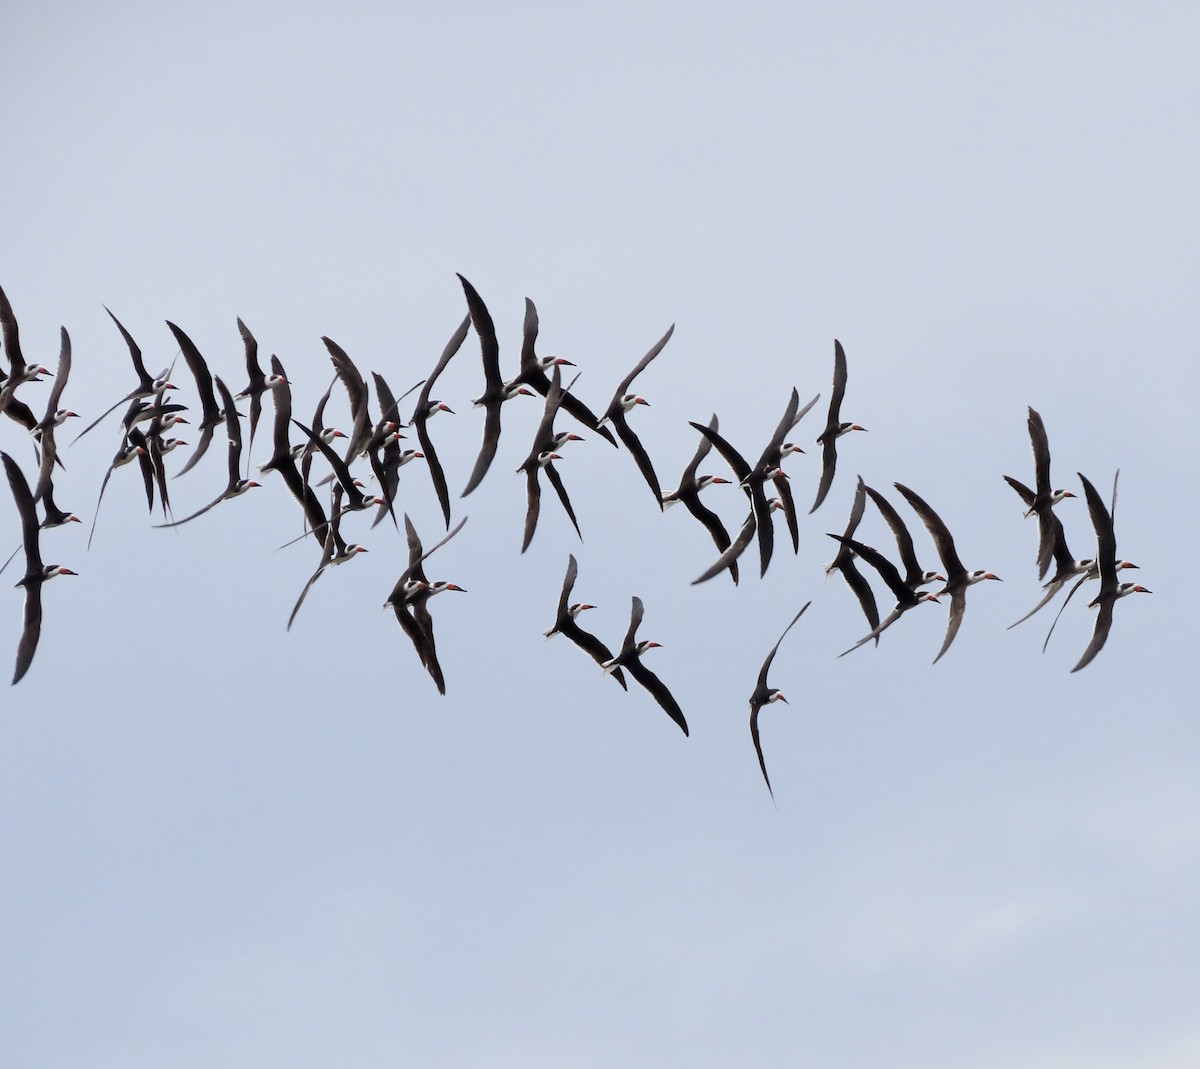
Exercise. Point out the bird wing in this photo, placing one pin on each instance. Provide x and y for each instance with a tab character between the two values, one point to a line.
623	387
420	418
658	691
736	548
1106	540
556	481
30	529
886	569
1104	618
1041	453
939	532
732	457
564	598
211	416
904	539
487	448
784	490
638	451
533	508
635	620
31	630
1066	601
828	467
766	665
958	605
755	709
715	527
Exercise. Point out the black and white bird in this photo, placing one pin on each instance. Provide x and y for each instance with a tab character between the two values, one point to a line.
36	573
765	695
283	460
495	390
629	658
1066	567
565	624
212	415
623	402
1111	591
688	492
1087	569
426	408
1044	498
541	460
19	371
55	417
259	382
958	579
835	426
335	550
534	374
410	596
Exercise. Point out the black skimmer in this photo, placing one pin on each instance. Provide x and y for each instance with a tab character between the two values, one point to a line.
688	491
764	695
844	561
958	579
409	600
1044	498
534	373
541	459
622	403
259	382
54	418
629	658
753	481
565	624
495	392
236	484
1066	566
335	550
1087	568
906	597
20	372
55	517
835	427
211	416
36	573
427	408
1106	562
284	462
147	386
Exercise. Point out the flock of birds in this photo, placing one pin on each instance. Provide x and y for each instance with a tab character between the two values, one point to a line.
148	434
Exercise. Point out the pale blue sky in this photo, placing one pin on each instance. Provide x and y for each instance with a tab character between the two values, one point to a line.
228	844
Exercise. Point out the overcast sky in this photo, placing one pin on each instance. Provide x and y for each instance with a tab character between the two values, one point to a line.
229	844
